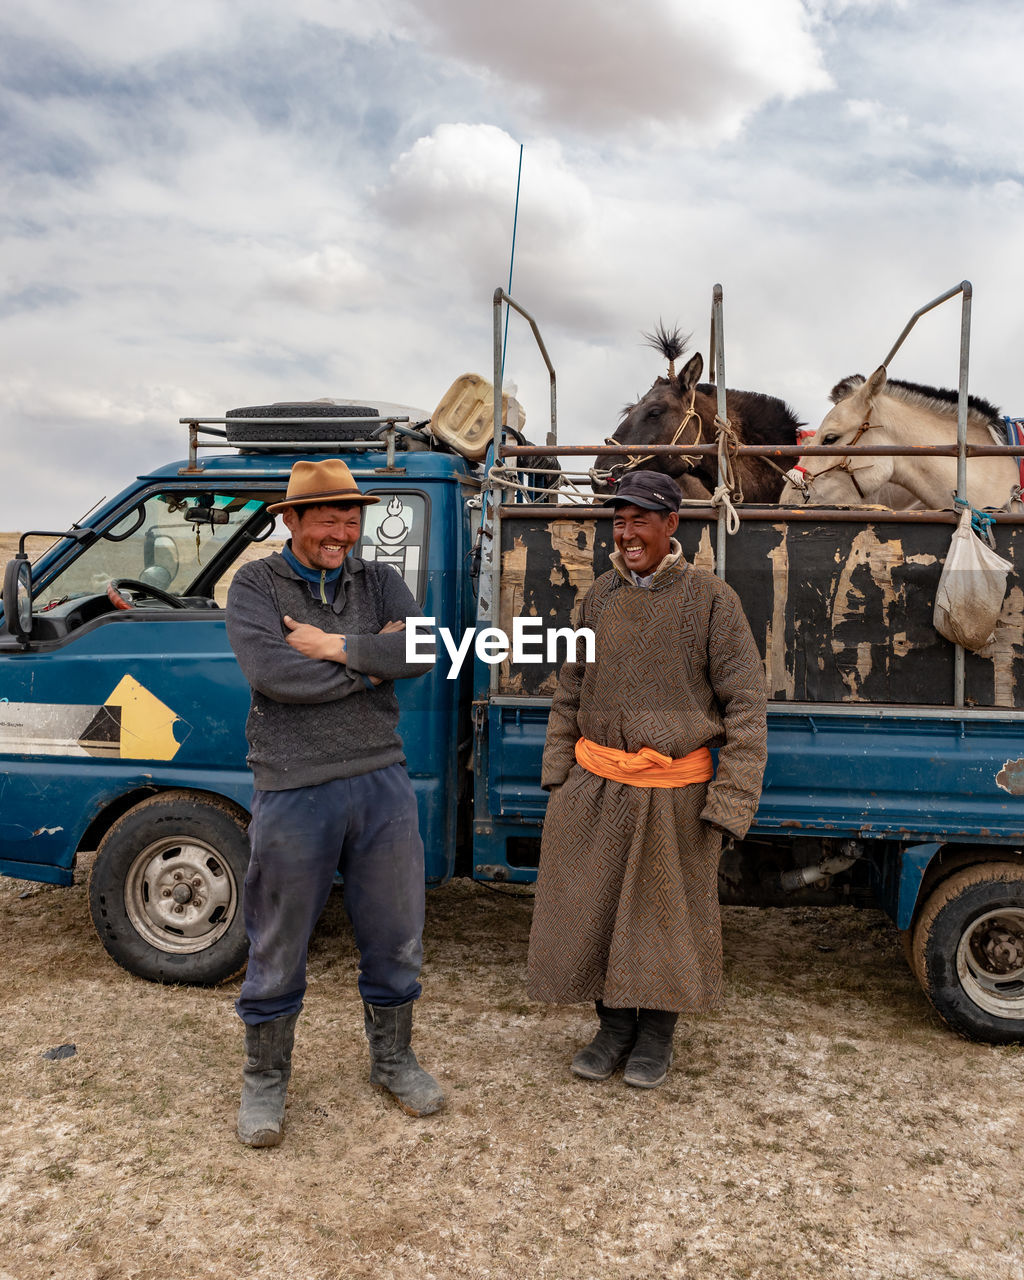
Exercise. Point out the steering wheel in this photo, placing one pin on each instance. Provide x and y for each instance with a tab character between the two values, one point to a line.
117	585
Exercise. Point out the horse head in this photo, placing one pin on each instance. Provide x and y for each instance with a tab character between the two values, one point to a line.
680	410
857	418
667	414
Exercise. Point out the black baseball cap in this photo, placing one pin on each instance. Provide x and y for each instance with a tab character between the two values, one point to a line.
648	489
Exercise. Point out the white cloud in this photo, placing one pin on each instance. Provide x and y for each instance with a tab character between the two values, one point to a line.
329	279
126	32
461	181
449	206
829	10
608	66
117	30
455	163
266	214
876	114
947	73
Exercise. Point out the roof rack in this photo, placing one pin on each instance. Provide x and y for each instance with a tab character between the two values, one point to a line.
387	426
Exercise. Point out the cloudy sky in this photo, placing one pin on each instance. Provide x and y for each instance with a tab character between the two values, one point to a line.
212	203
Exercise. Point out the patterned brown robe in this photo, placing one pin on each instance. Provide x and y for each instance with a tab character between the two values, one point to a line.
627	893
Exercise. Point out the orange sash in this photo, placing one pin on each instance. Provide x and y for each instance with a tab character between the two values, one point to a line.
646	767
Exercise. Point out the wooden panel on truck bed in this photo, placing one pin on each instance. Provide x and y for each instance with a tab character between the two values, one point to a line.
841	610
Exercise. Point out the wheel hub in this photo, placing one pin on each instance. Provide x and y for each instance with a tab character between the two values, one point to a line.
1001	950
990	962
180	895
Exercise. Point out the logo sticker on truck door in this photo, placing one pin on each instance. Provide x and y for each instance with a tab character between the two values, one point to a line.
395	533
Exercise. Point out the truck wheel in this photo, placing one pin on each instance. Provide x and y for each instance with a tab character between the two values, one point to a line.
907	943
969	951
283	434
166	889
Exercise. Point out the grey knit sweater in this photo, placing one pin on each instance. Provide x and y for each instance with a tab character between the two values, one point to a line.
310	720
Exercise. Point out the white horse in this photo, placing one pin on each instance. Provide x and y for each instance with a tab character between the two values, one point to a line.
875	411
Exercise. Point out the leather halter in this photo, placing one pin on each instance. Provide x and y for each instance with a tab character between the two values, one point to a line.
635	460
843	464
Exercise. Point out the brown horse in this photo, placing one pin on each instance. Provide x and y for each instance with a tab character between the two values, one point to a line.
681	410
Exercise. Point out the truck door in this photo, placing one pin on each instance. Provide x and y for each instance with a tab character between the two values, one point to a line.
127	683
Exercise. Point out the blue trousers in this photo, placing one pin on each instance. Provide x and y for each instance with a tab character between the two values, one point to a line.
364	827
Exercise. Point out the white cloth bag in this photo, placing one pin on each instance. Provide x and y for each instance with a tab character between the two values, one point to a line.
971	589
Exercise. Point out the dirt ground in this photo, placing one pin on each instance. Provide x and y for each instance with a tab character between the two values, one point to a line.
823	1124
9	547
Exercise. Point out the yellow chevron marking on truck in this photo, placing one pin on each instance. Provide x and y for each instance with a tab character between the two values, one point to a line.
147	724
132	724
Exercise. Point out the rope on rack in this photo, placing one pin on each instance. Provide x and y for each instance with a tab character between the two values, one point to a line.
981	521
504	475
723	498
728	443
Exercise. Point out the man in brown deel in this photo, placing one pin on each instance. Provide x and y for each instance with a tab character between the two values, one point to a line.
626	912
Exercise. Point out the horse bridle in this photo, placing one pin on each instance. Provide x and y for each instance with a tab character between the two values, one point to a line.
619	469
844	463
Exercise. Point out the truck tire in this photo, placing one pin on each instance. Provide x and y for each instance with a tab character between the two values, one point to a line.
166	889
283	434
969	951
907	944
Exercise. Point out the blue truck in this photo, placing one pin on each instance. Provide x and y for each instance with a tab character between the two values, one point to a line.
896	763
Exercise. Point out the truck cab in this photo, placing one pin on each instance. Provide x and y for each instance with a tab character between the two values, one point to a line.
122	722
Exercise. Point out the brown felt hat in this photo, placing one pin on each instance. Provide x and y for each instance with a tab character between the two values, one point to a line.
320	483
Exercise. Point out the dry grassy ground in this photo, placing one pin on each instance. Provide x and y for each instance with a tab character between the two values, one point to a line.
824	1124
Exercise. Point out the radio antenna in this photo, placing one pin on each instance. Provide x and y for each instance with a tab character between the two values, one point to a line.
512	257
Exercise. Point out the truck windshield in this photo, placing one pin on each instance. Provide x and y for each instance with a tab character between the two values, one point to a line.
165	541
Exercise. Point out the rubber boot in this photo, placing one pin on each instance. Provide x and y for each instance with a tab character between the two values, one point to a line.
268	1067
393	1064
652	1054
610	1048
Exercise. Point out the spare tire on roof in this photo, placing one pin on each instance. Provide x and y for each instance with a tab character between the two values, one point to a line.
282	433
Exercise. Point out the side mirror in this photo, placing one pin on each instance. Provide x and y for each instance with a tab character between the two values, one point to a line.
18	596
160	556
18	580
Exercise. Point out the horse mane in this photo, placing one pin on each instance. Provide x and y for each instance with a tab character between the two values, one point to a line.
846	387
939	400
670	342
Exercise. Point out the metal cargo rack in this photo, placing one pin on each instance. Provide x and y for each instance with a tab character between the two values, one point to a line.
503	509
388	426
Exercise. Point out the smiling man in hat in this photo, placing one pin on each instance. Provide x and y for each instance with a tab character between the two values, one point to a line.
626	912
317	633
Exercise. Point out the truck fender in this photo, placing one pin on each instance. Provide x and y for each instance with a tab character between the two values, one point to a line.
914	862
